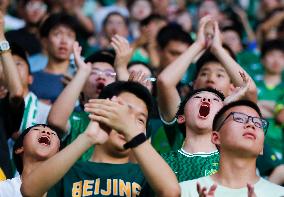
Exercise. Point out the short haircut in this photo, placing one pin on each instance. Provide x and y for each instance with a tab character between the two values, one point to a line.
58	19
19	143
106	56
234	29
19	51
125	19
140	91
142	63
270	45
172	32
209	57
153	17
189	96
219	116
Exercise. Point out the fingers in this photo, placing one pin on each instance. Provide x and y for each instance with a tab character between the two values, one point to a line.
212	190
99	119
119	43
251	190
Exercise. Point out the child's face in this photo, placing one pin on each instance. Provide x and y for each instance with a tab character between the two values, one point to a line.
273	61
41	143
232	39
213	75
200	110
59	43
141	9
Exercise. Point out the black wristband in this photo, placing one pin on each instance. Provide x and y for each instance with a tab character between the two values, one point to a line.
137	140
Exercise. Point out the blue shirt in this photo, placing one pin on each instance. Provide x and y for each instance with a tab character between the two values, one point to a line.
47	86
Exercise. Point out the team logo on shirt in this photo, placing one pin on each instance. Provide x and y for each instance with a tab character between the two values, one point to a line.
114	187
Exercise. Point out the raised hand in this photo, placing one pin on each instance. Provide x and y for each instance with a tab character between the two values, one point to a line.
239	92
251	190
87	67
202	191
204	34
2	37
116	114
123	51
140	78
95	134
217	40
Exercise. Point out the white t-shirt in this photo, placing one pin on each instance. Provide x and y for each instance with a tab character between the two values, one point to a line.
11	187
262	188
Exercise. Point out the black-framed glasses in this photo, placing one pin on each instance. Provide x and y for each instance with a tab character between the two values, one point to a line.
244	118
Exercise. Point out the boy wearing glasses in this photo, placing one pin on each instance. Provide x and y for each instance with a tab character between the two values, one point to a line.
92	76
239	131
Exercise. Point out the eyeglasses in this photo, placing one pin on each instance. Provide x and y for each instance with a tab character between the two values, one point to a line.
106	73
243	118
31	6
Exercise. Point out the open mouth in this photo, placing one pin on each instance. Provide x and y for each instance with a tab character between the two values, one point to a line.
100	86
204	110
44	140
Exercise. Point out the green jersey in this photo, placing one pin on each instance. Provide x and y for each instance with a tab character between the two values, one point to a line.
78	123
101	179
189	166
274	136
167	138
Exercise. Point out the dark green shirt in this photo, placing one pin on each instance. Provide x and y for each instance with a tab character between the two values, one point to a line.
101	179
189	166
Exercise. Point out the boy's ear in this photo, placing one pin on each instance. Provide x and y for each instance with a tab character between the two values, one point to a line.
215	138
180	119
19	150
30	79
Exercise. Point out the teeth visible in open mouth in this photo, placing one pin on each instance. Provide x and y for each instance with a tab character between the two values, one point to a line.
44	140
204	110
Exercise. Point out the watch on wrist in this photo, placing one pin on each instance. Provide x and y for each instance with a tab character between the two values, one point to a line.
136	141
4	46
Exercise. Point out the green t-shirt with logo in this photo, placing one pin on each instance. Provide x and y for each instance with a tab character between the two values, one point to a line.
79	121
189	166
274	136
101	179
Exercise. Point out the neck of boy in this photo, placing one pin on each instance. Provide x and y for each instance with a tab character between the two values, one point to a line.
57	67
272	79
100	155
195	143
29	165
236	172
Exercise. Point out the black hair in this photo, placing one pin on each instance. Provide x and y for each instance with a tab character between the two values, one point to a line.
130	3
190	95
141	62
107	56
172	32
219	116
140	91
153	17
270	45
125	19
55	20
20	51
18	160
234	29
208	57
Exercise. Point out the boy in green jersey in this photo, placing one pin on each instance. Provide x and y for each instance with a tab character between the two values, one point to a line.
117	128
198	157
270	91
